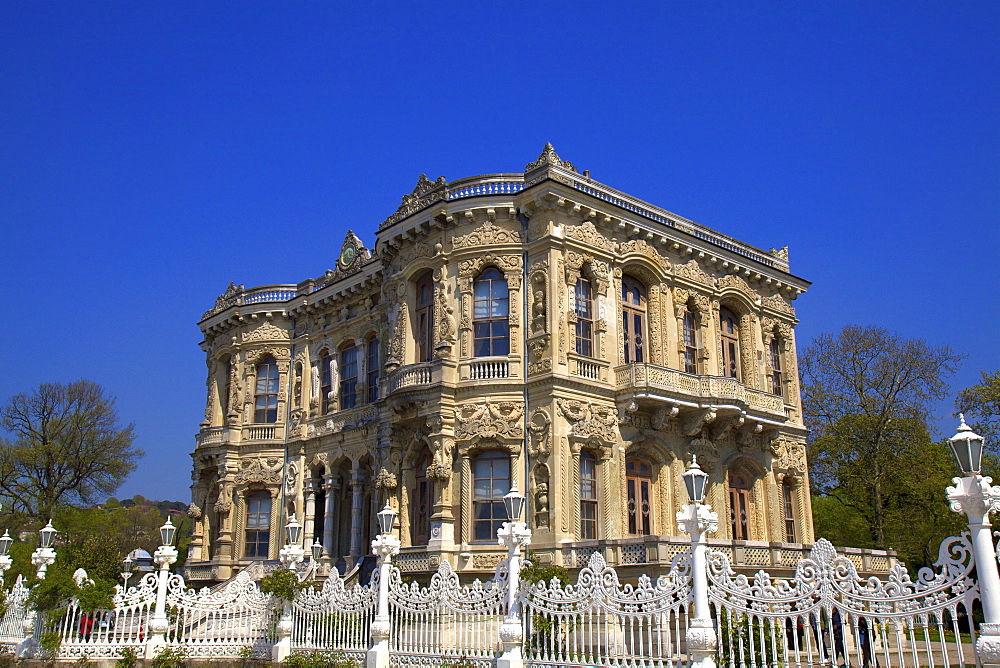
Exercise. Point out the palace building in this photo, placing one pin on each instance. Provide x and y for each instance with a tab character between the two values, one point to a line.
537	329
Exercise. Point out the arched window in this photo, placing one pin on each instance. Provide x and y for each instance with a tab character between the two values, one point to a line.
788	508
583	305
258	528
634	320
325	380
490	480
371	368
690	335
266	395
421	502
425	317
729	329
588	496
739	504
774	355
639	493
489	315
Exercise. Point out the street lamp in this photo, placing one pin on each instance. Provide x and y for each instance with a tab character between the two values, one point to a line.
385	547
126	569
5	559
165	555
514	535
967	446
292	554
697	519
975	497
45	555
317	550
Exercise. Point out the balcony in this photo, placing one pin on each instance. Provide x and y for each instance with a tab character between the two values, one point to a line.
589	368
674	384
415	376
490	369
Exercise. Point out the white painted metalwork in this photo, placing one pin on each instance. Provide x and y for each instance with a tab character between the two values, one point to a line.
219	623
827	613
601	622
12	622
446	621
336	617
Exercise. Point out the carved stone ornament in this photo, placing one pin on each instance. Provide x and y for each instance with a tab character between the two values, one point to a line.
385	480
590	421
266	331
643	247
549	158
538	428
693	271
437	471
778	303
194	511
259	470
228	298
490	419
487	235
589	234
424	193
788	457
734	281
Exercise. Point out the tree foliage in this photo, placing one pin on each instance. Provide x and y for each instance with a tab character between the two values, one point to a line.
981	405
867	395
64	444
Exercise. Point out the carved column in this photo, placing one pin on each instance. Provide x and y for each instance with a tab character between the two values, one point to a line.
309	526
357	498
751	369
331	488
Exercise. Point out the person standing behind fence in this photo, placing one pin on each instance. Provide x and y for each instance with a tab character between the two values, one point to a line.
86	624
838	637
865	641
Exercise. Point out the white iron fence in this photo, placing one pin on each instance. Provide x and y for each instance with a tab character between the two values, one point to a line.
699	612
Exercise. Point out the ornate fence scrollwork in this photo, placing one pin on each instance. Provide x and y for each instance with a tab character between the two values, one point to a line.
828	611
12	622
336	617
446	620
599	621
218	623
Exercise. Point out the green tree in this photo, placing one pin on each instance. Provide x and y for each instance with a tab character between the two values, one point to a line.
64	444
981	405
867	395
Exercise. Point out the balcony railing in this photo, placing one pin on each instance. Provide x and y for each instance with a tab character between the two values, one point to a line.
488	368
649	377
260	433
589	368
212	436
415	375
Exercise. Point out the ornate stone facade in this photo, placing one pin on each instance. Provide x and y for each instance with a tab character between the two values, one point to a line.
537	329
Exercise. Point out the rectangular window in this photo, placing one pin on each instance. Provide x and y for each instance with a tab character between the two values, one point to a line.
326	381
348	377
371	367
491	474
777	384
789	508
583	306
588	497
639	486
258	529
690	343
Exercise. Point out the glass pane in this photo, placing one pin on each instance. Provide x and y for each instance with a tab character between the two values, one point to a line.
481	310
482	290
482	488
484	531
499	308
481	330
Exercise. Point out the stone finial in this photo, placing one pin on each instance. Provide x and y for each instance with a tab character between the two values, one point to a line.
549	157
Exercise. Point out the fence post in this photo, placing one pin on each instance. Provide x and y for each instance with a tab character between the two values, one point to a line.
513	535
385	547
165	555
697	519
976	498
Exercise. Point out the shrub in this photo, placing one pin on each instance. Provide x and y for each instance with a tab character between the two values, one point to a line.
282	584
129	658
169	657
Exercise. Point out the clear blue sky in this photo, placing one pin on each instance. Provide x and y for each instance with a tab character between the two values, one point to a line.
152	152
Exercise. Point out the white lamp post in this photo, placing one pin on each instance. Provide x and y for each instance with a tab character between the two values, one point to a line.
126	570
5	559
697	519
385	547
44	555
975	497
514	535
292	554
165	555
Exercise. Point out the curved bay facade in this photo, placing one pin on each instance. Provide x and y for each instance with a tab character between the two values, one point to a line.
537	329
